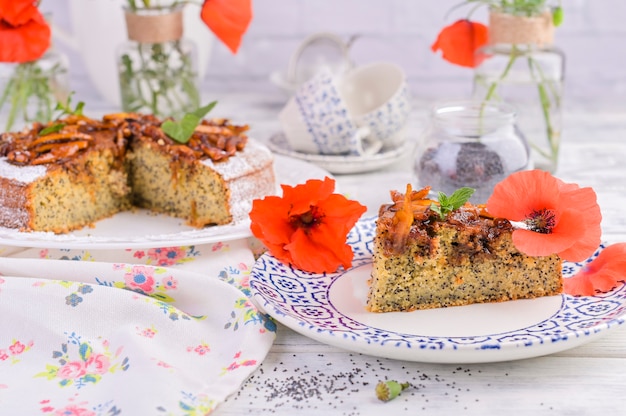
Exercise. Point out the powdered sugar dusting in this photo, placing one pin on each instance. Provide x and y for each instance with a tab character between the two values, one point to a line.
23	174
247	176
136	229
252	158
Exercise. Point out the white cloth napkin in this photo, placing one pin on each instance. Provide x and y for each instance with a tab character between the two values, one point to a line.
103	332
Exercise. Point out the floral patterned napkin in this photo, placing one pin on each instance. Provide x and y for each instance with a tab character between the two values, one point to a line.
105	332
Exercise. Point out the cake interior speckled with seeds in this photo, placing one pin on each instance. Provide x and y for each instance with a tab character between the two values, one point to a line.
85	170
466	258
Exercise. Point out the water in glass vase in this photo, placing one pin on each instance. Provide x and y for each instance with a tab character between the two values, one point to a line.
157	65
158	78
531	79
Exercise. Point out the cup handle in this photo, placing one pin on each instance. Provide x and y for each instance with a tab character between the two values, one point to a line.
366	146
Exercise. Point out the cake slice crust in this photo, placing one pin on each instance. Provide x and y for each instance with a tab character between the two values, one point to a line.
468	258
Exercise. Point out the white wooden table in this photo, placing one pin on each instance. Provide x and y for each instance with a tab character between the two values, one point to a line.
302	376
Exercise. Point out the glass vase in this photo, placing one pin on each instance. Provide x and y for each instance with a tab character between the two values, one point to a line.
157	66
31	90
470	144
520	66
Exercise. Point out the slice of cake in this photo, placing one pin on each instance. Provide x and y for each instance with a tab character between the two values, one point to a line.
422	261
212	179
62	180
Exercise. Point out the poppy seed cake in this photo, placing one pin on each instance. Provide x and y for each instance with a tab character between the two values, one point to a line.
86	170
466	258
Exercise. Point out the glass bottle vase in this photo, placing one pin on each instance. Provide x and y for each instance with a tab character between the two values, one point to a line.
157	66
470	144
530	76
30	91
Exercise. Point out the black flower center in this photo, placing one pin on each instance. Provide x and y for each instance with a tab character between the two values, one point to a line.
307	220
541	221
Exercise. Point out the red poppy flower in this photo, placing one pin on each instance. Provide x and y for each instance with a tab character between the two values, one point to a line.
17	12
228	20
24	33
559	218
460	41
600	275
308	226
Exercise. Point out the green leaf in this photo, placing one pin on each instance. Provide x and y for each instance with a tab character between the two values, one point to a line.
66	107
557	16
175	131
203	111
460	197
447	204
78	111
182	130
52	129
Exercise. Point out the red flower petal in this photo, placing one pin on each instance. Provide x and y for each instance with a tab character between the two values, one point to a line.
24	43
340	213
303	197
563	237
317	252
602	274
578	286
584	200
576	231
522	193
17	12
275	231
308	226
460	41
228	20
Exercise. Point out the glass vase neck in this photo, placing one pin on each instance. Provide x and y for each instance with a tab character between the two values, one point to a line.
505	28
154	25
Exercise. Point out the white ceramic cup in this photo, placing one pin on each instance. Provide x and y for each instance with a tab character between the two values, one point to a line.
378	97
316	120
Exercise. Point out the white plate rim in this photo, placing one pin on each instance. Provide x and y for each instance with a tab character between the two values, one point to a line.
288	171
518	343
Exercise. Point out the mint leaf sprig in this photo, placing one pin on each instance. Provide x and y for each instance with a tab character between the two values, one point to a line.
181	131
447	204
65	109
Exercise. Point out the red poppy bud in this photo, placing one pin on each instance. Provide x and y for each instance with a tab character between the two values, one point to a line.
228	20
460	41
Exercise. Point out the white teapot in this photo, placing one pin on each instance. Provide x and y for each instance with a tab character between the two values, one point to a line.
98	28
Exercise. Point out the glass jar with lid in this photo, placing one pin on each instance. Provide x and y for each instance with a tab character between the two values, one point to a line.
470	144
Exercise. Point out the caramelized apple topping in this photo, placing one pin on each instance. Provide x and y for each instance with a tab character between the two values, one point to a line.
414	216
32	148
214	139
408	207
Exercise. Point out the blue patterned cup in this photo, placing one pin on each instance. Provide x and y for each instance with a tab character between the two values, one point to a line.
378	98
316	120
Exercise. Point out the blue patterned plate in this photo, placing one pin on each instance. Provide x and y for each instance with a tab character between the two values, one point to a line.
331	309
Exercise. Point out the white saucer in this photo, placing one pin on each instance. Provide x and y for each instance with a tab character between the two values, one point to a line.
342	164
